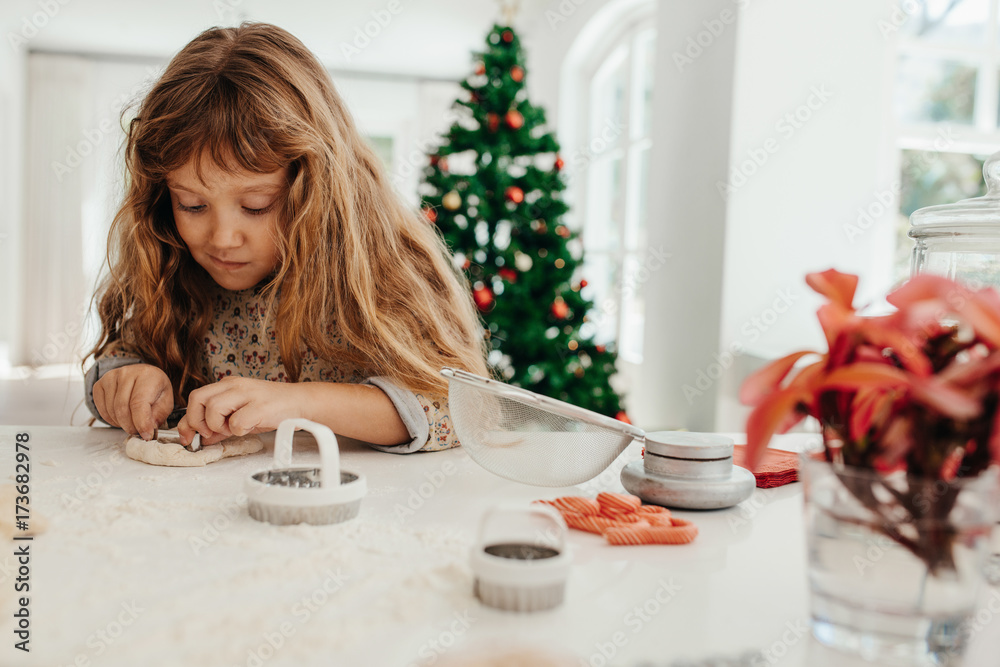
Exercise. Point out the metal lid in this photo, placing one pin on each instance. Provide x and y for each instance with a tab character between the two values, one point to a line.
981	214
685	445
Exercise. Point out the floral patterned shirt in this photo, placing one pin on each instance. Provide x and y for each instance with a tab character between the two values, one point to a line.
238	343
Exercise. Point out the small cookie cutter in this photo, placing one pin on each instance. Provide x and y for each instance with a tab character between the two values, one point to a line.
689	471
173	434
523	567
286	495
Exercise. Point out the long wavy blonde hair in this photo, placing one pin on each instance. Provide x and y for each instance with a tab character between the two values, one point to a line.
354	258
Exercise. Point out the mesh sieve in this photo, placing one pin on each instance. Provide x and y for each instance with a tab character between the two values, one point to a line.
529	438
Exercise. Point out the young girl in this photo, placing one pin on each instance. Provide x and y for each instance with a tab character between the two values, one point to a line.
262	267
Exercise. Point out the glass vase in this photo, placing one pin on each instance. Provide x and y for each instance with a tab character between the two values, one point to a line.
895	563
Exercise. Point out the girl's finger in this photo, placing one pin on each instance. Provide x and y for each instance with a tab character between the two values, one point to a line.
195	414
123	404
186	431
220	407
246	419
100	402
145	392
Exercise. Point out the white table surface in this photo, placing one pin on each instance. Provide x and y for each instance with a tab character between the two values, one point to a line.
131	571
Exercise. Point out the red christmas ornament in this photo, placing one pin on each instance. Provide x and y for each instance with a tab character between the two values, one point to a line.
510	275
466	264
430	214
559	164
600	348
443	164
480	69
493	122
583	283
560	309
483	296
563	231
622	417
507	36
514	194
435	159
517	73
514	119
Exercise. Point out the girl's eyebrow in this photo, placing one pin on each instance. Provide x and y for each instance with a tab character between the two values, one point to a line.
259	187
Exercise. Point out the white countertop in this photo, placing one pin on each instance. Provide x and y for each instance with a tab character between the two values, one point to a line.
151	566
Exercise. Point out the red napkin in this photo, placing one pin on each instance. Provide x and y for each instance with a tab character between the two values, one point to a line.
776	467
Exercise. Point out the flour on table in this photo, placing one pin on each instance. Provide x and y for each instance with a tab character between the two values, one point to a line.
167	450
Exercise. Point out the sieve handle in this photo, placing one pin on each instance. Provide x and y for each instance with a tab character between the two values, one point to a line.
519	509
329	452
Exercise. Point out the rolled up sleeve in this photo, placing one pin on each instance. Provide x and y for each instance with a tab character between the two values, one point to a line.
427	419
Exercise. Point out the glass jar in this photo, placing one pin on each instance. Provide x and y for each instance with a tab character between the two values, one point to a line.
961	240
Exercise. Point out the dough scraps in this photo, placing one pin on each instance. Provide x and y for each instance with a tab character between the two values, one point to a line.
167	450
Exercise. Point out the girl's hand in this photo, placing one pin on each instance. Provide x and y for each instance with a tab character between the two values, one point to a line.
239	406
134	398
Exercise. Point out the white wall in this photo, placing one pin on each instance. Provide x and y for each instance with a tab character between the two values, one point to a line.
13	82
788	218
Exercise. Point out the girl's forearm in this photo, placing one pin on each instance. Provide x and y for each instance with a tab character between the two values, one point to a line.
357	411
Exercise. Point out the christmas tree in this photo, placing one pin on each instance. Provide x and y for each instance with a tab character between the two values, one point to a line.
493	188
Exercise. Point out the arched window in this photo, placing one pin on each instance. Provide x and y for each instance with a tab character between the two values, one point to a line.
608	182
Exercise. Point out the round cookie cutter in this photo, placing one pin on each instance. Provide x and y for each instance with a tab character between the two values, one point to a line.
287	495
688	471
520	560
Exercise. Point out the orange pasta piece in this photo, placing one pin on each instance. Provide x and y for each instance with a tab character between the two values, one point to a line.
652	509
682	532
659	519
578	504
618	503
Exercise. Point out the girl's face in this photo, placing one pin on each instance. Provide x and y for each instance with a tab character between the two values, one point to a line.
229	222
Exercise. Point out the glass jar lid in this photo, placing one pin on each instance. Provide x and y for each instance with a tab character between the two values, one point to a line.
978	212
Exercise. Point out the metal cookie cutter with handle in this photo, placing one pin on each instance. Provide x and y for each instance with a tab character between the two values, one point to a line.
520	561
287	495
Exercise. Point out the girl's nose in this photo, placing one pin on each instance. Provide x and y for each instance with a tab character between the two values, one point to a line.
225	232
